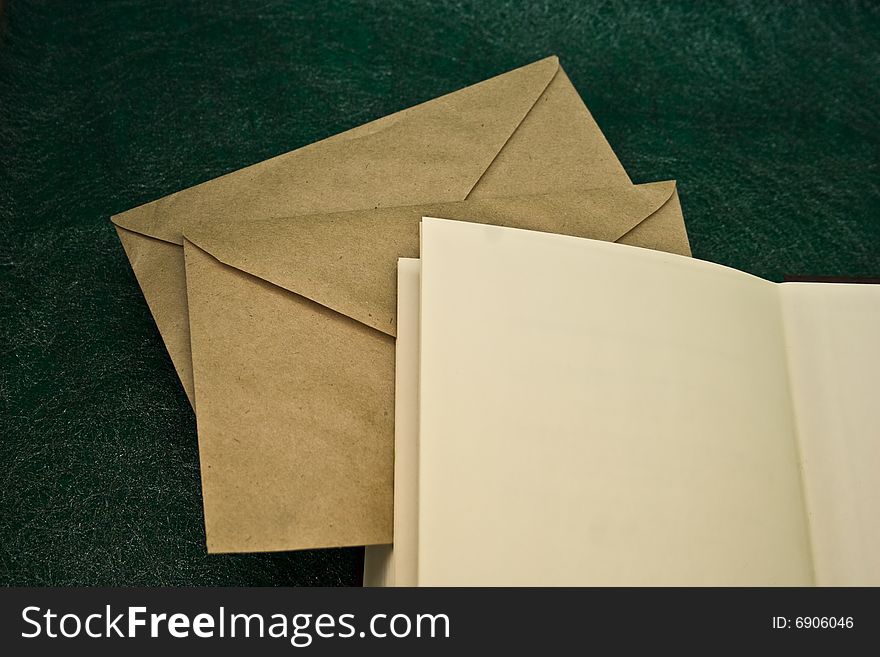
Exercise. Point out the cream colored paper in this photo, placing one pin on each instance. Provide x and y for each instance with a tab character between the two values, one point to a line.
524	132
292	328
592	414
384	566
833	338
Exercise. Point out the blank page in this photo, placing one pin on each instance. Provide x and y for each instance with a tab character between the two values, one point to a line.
384	565
834	355
598	414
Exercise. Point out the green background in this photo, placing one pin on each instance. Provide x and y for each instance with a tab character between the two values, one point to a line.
766	114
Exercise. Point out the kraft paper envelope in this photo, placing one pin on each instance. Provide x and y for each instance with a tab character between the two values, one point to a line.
292	327
523	132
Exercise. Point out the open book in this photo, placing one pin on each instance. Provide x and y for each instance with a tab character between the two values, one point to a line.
574	412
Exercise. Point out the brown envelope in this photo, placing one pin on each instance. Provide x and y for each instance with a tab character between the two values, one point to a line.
292	326
523	132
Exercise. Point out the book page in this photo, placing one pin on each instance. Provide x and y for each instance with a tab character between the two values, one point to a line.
598	414
833	335
386	565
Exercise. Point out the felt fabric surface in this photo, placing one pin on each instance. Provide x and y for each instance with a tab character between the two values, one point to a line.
766	114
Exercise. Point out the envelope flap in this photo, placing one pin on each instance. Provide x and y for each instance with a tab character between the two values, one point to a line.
348	261
435	151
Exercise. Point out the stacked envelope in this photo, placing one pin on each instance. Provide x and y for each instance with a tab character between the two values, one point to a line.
275	289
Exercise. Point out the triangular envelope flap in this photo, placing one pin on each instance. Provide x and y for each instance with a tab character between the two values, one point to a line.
557	146
348	261
437	150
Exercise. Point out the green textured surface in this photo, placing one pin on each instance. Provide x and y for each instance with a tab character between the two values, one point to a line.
766	114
